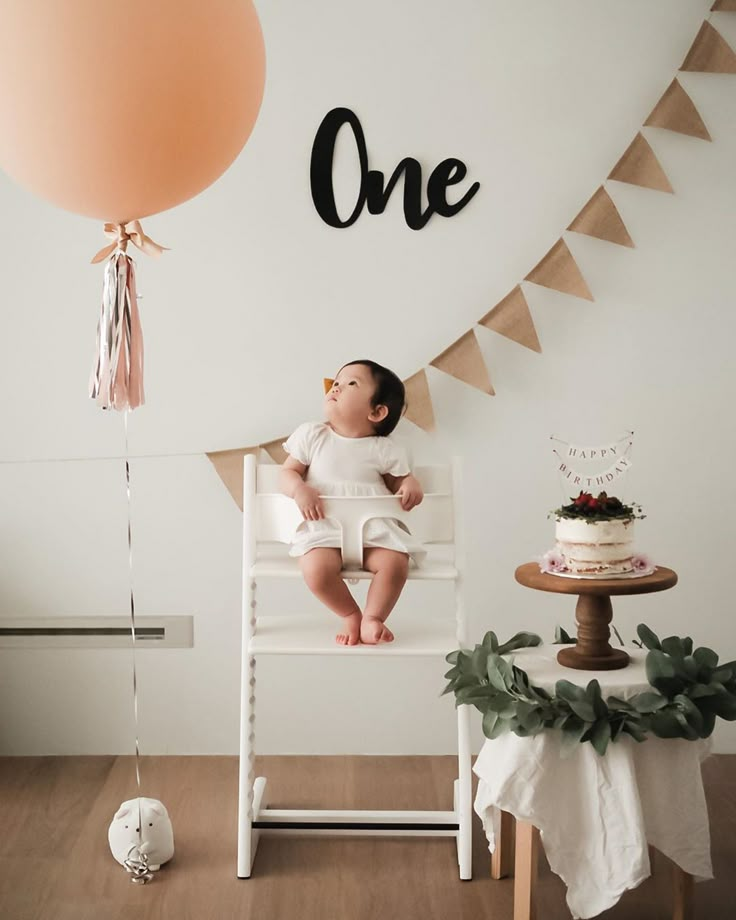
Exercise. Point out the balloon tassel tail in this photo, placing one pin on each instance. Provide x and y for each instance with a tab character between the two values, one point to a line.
116	381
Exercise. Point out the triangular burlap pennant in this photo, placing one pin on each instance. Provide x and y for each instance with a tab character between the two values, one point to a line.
274	449
709	53
229	467
724	6
675	111
511	318
639	166
418	401
559	271
600	218
463	359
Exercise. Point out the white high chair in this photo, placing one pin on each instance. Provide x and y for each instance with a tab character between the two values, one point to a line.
271	517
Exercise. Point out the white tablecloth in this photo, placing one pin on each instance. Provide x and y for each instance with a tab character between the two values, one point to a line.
596	814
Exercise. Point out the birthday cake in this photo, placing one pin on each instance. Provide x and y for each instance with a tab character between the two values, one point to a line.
595	535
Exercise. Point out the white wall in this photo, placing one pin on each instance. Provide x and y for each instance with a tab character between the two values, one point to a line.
258	300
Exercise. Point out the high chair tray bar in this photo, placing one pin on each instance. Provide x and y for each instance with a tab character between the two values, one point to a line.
306	635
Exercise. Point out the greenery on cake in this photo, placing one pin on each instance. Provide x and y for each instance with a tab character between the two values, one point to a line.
601	507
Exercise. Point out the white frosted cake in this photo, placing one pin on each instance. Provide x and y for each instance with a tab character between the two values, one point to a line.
595	547
595	535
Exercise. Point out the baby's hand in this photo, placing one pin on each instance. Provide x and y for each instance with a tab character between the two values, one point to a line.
410	493
309	503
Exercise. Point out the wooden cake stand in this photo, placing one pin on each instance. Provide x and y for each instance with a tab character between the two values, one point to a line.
594	612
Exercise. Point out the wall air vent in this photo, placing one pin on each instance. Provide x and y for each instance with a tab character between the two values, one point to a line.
96	632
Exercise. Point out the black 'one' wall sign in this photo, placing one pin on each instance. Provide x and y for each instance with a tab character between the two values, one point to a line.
372	192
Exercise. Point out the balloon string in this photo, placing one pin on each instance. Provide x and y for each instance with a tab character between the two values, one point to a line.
132	633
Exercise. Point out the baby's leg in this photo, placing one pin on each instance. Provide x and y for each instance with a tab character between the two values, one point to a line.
390	568
321	569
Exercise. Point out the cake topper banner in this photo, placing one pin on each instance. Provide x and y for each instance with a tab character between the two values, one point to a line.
588	481
597	452
615	453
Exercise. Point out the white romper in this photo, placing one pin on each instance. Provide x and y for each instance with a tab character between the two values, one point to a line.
337	465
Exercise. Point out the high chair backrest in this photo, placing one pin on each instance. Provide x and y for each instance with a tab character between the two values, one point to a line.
271	517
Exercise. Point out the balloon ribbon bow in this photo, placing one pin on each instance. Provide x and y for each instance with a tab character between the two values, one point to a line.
138	866
116	381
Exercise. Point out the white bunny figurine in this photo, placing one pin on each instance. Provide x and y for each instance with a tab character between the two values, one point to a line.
156	832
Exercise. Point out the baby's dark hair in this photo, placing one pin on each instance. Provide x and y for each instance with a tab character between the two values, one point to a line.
389	392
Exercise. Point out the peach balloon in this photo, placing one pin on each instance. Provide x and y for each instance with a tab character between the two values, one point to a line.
121	110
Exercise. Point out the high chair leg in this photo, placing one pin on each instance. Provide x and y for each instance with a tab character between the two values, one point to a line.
463	805
247	839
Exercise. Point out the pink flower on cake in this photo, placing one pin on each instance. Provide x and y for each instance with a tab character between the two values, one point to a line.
642	564
552	562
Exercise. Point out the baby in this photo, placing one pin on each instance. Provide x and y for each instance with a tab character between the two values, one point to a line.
351	454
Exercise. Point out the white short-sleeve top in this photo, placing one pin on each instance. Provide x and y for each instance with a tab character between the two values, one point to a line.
345	466
337	465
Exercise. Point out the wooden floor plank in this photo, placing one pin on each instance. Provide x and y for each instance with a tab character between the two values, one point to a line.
55	863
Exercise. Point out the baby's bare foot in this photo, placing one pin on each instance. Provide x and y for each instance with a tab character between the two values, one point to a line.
373	631
351	633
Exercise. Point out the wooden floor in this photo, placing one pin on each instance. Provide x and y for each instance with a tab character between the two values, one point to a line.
55	863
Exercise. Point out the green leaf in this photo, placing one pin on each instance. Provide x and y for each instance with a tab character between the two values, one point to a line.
502	703
562	637
576	699
478	661
649	639
600	735
665	724
661	673
500	672
489	723
673	645
593	696
615	704
636	733
690	667
490	642
722	706
528	716
500	728
690	711
520	640
709	722
724	674
648	701
705	657
699	691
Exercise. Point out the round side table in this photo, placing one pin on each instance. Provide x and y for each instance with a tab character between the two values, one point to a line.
593	613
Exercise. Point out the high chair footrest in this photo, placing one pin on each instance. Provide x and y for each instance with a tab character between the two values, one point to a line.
310	635
357	823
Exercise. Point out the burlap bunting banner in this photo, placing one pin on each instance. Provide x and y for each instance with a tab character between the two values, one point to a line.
600	218
513	319
418	401
229	466
709	53
639	166
559	271
463	360
274	449
675	111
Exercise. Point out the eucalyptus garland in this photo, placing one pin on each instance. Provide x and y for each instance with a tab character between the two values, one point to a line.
689	690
